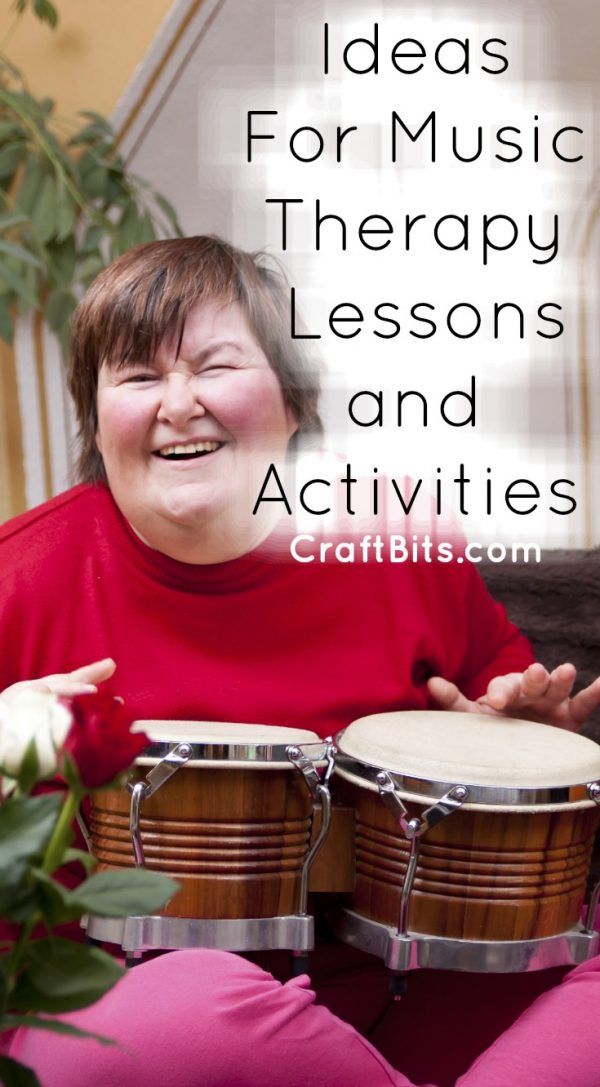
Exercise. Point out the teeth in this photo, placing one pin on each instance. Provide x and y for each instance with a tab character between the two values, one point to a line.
190	447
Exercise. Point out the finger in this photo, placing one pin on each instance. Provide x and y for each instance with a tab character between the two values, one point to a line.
26	685
536	682
64	687
561	682
96	672
448	695
61	686
87	676
66	684
504	691
584	703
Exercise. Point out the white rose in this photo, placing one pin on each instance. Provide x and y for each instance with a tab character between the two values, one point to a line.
32	715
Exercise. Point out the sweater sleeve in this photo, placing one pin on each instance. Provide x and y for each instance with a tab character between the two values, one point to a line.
494	646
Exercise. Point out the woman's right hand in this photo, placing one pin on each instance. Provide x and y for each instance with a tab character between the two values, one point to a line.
83	680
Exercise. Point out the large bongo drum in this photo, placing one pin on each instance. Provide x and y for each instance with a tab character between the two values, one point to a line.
473	839
226	810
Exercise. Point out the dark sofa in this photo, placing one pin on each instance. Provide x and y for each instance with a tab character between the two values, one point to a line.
557	605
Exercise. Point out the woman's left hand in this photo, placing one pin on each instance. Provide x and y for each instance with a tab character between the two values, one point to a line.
534	694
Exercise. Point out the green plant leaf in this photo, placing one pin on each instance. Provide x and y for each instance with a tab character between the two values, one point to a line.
69	771
88	135
97	119
59	308
109	159
12	883
124	893
10	157
18	904
117	192
46	12
55	1026
44	212
26	824
128	230
9	220
19	285
166	206
52	187
66	214
54	900
12	249
19	100
49	139
61	976
9	128
7	327
147	232
89	267
30	768
79	856
63	335
93	237
62	261
94	182
15	1074
31	280
11	68
26	194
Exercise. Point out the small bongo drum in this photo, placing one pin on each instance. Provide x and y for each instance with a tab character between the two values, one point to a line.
226	810
473	840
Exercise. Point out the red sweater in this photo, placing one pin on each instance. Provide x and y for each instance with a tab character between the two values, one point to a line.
257	640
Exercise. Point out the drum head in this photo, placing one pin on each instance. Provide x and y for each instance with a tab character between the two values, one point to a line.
503	761
221	743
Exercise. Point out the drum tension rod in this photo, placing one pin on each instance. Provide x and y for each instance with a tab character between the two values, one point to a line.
594	794
413	829
141	790
318	785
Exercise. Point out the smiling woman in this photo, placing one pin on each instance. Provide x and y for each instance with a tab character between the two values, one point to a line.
187	436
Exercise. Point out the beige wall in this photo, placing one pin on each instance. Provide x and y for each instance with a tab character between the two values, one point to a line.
88	60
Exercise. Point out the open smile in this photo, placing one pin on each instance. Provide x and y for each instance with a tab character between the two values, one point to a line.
187	450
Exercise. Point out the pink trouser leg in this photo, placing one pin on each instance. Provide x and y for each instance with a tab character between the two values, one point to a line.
210	1019
207	1019
555	1043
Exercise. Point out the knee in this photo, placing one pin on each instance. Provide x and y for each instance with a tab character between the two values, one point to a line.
172	1017
206	1017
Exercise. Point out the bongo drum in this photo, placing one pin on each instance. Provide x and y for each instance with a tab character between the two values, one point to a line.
226	810
473	840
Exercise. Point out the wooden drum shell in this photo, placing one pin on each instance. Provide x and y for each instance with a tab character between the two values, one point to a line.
482	875
234	838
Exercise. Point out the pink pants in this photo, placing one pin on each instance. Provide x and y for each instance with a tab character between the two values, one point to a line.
211	1019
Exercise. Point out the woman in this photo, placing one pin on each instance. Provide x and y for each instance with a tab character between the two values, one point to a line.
157	571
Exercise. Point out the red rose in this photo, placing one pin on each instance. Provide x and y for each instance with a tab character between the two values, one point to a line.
100	741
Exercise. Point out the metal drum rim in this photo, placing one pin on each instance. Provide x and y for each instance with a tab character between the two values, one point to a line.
481	797
218	756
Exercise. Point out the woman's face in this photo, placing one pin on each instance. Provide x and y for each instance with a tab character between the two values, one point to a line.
187	439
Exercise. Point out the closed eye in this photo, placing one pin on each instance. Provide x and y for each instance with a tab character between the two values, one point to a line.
217	368
139	378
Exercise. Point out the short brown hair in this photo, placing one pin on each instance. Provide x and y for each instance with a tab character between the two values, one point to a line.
146	295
